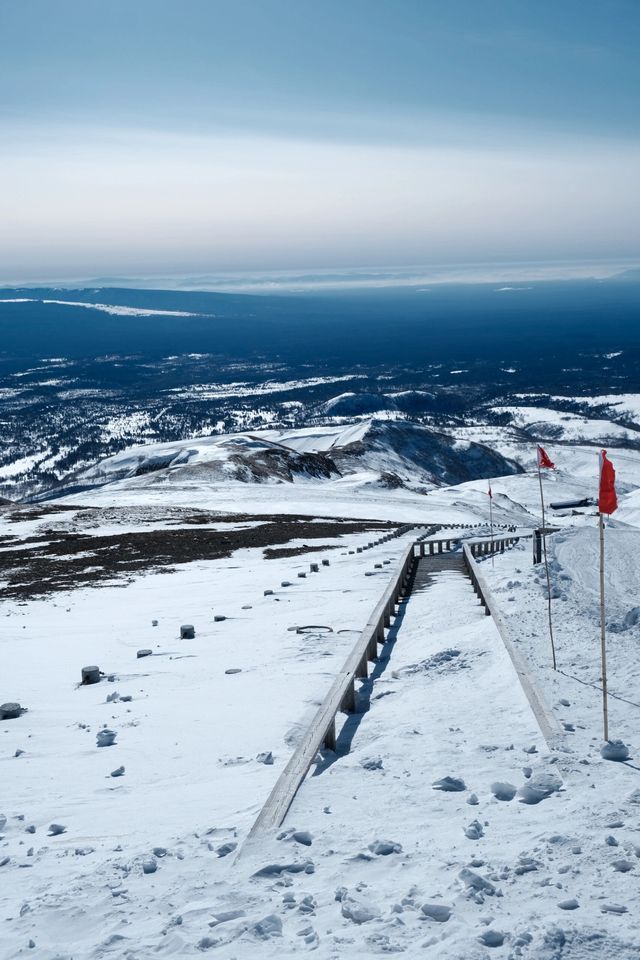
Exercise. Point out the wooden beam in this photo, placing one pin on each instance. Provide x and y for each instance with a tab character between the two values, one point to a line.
340	695
546	721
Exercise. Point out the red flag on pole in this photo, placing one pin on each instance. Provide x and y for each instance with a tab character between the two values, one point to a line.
607	499
490	493
544	460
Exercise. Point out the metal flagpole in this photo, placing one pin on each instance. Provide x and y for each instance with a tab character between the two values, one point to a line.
603	638
546	564
491	523
603	643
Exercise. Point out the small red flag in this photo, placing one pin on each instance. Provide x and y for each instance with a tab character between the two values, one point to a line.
489	492
607	499
544	460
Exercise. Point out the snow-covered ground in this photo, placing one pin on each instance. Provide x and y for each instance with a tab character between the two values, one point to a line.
625	405
536	855
106	308
567	426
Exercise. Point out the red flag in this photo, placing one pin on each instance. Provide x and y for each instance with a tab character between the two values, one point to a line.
607	499
544	460
489	492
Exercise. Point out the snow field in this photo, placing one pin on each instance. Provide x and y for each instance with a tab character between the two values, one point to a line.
371	859
189	737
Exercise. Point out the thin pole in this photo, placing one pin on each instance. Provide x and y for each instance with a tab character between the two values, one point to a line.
603	644
546	567
491	522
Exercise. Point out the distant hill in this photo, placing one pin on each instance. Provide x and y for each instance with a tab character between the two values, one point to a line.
388	452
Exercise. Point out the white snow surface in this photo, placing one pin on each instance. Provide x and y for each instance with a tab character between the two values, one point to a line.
625	404
111	308
380	854
568	426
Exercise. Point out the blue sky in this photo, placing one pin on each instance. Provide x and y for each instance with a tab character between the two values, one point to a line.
203	135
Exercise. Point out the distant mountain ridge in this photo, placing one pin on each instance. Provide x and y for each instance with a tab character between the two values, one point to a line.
86	373
373	451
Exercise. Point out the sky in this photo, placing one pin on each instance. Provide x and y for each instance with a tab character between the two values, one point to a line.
161	137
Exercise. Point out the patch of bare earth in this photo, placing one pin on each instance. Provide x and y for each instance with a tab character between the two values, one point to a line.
53	558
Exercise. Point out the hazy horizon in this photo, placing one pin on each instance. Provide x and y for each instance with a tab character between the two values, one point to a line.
160	138
421	277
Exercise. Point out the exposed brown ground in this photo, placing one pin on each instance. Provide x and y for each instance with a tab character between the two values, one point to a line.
72	553
275	553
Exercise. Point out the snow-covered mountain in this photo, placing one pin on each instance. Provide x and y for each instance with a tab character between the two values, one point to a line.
392	453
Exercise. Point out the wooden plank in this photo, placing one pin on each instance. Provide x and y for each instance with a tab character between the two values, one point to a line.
341	694
322	728
546	721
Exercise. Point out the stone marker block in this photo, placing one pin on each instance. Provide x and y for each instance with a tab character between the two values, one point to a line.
187	631
90	675
10	711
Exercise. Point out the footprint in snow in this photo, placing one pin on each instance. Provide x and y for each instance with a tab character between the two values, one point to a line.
492	938
277	869
475	883
450	784
539	788
382	848
299	836
226	848
503	791
233	761
371	763
225	916
622	866
309	935
358	911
